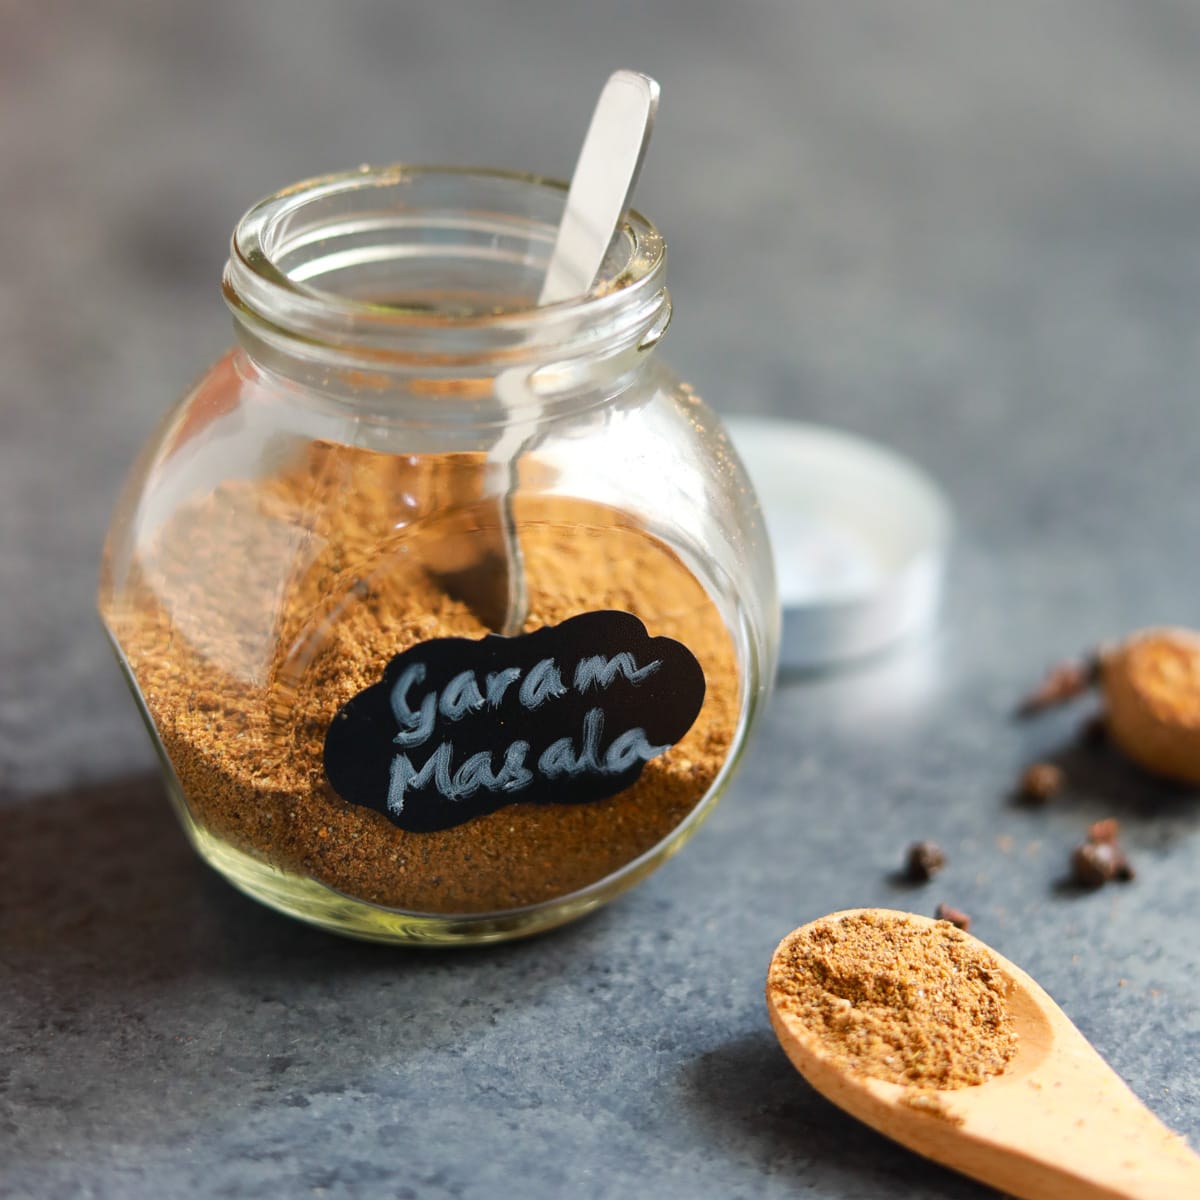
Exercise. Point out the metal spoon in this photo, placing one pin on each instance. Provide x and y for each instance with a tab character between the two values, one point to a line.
1058	1124
605	175
493	585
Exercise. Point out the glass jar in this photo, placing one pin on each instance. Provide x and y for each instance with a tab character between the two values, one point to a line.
301	577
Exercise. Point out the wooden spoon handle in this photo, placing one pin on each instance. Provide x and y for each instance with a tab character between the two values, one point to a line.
1156	1166
1072	1131
1067	1130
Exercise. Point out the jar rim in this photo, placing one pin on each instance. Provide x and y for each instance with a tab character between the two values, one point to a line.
263	290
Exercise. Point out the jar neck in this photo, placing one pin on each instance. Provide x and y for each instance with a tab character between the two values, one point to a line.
416	287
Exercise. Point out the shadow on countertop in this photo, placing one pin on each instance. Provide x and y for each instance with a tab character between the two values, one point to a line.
145	1004
748	1097
103	897
1101	780
1155	815
101	889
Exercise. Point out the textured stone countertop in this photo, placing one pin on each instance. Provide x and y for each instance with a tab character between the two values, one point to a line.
970	232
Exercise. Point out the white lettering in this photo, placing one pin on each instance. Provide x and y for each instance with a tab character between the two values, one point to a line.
402	776
464	695
541	684
628	749
475	773
415	726
498	683
461	696
631	747
515	775
601	672
557	759
593	727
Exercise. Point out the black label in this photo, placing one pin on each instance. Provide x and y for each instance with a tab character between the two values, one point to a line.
565	715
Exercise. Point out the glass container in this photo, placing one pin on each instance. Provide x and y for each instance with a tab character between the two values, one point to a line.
296	575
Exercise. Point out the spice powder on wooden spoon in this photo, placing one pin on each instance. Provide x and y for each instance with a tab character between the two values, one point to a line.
920	1006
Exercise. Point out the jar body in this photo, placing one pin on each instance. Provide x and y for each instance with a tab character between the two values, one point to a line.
279	545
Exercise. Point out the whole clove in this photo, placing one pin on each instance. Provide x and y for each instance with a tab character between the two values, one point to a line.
954	916
923	861
1064	681
1040	783
1100	859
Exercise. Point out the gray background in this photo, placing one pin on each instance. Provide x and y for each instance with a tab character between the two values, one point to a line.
969	231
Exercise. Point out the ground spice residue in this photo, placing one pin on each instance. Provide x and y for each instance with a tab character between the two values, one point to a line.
917	1005
257	610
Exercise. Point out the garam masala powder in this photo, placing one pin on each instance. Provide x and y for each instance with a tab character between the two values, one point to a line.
925	1006
256	611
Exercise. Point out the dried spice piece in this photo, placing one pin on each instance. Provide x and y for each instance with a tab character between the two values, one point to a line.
1093	864
1040	783
923	860
914	1004
958	919
1151	685
1100	859
1064	681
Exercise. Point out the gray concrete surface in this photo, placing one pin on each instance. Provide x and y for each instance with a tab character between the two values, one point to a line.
970	231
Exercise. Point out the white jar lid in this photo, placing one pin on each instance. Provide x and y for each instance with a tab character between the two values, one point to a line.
860	537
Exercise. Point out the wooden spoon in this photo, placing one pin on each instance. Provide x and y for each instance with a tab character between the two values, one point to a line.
1058	1124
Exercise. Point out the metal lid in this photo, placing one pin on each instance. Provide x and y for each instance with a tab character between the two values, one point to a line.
860	536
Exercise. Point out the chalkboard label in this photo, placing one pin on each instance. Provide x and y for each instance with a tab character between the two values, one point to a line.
566	715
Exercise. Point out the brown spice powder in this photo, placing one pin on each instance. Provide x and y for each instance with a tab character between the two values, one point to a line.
256	612
924	1006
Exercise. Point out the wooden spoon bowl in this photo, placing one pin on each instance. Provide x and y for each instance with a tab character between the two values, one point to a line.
1058	1124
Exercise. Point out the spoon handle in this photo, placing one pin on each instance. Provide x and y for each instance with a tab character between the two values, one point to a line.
602	183
1072	1130
605	174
